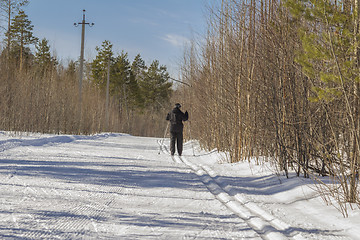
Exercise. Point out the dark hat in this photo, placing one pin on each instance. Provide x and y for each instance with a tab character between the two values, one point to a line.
178	105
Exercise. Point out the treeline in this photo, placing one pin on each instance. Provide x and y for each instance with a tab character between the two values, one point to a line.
40	94
279	81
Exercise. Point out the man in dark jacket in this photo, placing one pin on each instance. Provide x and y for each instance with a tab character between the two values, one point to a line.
176	118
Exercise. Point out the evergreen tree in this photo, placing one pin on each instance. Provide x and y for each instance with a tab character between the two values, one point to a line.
134	84
138	71
330	58
70	71
138	66
8	7
327	45
120	74
100	64
155	87
21	36
43	58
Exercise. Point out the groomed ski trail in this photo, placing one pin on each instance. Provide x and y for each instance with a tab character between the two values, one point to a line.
116	186
267	226
108	186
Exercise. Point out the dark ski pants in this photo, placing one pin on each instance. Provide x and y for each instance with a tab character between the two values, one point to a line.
178	138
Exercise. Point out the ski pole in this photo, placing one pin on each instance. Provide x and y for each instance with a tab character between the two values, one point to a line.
192	142
162	143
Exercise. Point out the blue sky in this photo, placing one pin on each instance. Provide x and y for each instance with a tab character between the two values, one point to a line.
157	29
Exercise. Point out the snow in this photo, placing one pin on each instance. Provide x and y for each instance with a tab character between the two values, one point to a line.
117	186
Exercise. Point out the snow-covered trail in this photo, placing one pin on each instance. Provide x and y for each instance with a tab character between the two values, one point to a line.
106	187
116	186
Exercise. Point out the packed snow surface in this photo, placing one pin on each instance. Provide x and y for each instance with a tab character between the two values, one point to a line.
116	186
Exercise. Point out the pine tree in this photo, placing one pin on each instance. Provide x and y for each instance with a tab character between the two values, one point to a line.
70	71
21	36
43	58
138	71
120	74
123	75
330	59
138	66
155	87
8	7
100	64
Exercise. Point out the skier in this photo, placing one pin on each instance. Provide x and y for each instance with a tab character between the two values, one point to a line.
176	118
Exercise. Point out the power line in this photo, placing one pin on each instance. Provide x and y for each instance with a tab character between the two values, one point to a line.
176	80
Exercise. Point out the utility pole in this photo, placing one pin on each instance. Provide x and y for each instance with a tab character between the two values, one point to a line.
81	70
107	96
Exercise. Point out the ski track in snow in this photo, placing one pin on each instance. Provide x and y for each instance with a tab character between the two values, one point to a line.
261	221
116	186
266	225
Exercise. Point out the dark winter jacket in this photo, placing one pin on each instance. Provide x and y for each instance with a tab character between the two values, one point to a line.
176	117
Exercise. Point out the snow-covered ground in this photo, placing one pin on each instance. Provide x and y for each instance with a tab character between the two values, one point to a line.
116	186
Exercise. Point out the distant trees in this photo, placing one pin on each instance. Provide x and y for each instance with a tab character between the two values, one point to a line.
39	94
139	90
155	86
44	60
100	63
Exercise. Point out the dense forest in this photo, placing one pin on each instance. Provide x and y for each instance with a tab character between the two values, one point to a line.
40	94
278	80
